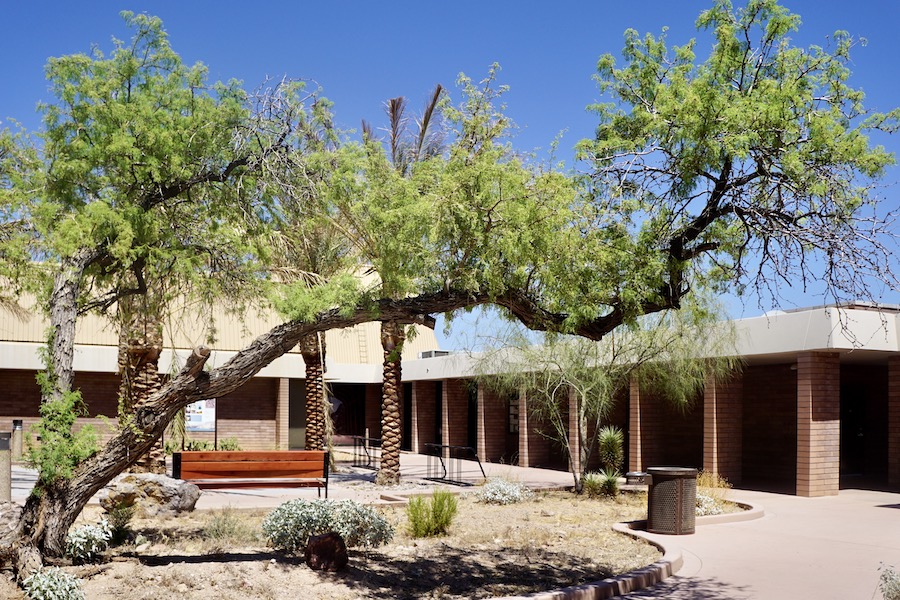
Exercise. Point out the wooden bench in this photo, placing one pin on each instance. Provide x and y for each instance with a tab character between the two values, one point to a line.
226	469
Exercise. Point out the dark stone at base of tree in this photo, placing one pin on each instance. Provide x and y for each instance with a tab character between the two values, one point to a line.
326	552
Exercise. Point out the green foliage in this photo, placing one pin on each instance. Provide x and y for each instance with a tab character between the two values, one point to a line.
52	583
289	526
759	152
432	517
229	444
604	484
61	448
119	520
611	442
502	491
592	484
609	482
88	542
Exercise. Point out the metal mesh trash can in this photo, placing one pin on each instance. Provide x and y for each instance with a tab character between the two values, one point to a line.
672	500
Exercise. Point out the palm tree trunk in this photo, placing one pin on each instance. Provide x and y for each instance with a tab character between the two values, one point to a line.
312	348
393	336
140	345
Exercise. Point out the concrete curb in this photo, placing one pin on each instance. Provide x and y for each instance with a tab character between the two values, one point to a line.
645	577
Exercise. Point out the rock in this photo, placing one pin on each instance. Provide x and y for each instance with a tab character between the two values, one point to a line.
151	494
326	552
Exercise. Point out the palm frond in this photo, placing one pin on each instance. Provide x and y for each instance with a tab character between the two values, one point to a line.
430	138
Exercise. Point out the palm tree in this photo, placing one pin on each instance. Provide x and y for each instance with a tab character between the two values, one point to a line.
406	148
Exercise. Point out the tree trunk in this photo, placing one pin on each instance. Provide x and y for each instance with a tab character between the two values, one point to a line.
312	348
140	345
392	337
63	312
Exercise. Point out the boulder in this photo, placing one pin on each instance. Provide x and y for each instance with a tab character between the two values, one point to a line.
151	494
326	552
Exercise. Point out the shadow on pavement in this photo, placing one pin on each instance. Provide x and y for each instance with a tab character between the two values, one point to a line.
694	588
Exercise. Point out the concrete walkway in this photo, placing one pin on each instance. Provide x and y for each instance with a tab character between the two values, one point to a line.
819	548
822	548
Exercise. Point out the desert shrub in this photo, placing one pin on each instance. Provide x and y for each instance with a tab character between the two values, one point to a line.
198	445
289	526
712	489
713	484
707	505
86	543
889	582
503	491
590	484
229	444
53	584
433	517
611	442
609	482
119	519
604	483
227	525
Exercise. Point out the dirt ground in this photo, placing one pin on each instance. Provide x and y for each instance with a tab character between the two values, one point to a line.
554	540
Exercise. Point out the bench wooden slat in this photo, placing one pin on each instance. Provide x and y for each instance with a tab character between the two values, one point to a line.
201	473
300	466
254	455
256	483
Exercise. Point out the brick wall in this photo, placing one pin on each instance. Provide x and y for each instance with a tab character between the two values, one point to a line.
723	429
424	414
455	414
769	431
818	424
661	434
247	414
493	424
534	449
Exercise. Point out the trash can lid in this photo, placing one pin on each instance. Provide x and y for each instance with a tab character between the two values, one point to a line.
673	471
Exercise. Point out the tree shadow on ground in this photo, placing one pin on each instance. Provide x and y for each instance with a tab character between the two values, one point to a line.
467	574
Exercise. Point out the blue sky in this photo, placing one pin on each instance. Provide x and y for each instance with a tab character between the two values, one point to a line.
363	53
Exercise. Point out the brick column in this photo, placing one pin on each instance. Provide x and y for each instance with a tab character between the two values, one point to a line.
423	415
492	424
893	424
635	428
282	412
373	409
455	413
534	449
574	438
722	428
818	424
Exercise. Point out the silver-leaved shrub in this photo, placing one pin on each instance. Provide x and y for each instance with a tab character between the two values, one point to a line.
53	583
289	526
86	543
503	491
